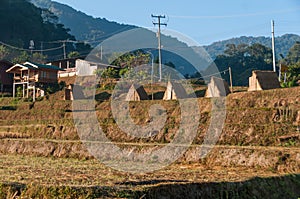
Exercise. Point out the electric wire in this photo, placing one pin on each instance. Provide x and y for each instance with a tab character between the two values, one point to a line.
23	49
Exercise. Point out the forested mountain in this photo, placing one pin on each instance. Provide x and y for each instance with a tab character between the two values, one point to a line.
24	26
21	21
84	27
282	43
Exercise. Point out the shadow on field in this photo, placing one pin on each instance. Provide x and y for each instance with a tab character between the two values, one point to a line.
273	187
158	95
9	108
100	97
151	182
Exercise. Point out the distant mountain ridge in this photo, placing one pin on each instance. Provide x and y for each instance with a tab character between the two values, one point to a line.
82	26
282	43
94	30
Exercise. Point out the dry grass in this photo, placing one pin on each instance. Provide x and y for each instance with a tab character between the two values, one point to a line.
40	177
250	133
74	172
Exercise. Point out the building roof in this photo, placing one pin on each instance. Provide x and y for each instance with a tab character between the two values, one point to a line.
175	88
267	79
36	65
217	87
22	67
139	90
33	66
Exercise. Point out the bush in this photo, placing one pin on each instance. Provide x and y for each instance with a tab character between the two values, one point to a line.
19	91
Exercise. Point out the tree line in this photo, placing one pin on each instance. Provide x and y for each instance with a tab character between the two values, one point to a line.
244	58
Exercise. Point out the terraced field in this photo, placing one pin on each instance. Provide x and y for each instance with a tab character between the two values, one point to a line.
257	153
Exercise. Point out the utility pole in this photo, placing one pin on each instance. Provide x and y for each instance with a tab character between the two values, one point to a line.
101	49
152	66
31	46
42	47
230	77
159	40
273	46
64	46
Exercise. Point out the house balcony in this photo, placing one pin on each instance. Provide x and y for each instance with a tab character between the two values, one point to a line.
25	79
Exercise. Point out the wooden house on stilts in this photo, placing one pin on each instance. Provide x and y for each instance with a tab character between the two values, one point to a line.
33	76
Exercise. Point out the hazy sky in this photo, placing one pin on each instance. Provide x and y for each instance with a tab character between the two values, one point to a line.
204	21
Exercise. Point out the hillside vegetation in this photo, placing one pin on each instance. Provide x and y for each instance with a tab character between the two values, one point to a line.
23	24
283	44
91	29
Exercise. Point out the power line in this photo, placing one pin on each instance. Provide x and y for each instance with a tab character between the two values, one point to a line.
100	39
62	41
218	73
28	50
96	40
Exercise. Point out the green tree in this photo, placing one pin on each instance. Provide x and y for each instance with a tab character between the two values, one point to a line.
131	59
110	73
22	22
260	52
293	75
243	59
293	55
3	52
123	71
73	54
230	50
83	48
23	57
236	50
38	58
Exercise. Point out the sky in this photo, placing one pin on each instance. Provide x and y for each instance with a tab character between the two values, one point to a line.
204	21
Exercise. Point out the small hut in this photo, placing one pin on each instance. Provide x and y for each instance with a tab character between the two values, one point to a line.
263	80
217	88
136	93
174	91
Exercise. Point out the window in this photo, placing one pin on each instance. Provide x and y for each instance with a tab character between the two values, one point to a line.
43	74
